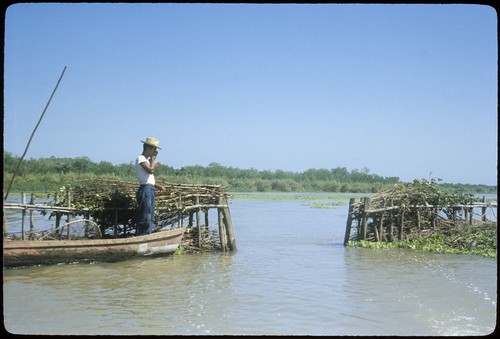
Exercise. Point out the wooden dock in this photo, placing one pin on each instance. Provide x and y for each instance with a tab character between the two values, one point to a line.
112	206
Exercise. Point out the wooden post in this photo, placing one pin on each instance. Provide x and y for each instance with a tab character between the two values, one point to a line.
229	226
391	221
197	202
359	221
348	225
179	207
23	215
32	218
401	224
381	227
366	205
375	228
58	214
222	228
68	220
483	210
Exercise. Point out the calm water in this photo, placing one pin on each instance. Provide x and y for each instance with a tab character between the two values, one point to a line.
290	275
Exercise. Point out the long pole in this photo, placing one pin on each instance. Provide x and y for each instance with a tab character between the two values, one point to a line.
33	133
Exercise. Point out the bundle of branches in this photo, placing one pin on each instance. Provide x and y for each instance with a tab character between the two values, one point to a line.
174	201
194	242
427	210
419	193
113	202
109	203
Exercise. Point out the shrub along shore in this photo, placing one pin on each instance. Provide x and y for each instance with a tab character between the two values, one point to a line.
48	174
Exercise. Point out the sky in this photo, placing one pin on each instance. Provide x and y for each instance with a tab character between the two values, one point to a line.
407	91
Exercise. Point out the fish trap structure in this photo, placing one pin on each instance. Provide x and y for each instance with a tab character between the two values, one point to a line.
112	205
412	210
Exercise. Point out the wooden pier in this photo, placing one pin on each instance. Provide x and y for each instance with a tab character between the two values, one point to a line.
112	206
385	219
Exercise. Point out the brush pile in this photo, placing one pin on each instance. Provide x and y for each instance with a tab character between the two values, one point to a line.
112	204
414	209
419	193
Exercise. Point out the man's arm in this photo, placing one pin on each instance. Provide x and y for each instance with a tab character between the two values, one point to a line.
149	166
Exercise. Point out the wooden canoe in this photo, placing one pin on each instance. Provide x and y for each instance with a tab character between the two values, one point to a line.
45	252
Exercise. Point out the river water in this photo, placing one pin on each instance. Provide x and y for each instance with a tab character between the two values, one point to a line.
290	275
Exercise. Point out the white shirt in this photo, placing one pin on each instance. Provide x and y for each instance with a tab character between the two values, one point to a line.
143	177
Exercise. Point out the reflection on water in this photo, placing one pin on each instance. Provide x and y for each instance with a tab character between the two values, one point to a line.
290	275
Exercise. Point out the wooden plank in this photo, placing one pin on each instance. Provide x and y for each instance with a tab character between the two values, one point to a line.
348	225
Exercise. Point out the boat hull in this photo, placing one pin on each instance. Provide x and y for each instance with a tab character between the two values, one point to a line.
28	253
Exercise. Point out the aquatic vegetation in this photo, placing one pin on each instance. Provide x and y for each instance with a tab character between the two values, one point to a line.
325	204
297	196
179	251
480	239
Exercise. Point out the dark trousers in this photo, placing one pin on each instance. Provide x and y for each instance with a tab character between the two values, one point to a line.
146	210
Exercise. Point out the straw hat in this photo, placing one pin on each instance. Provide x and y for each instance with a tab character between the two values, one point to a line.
152	142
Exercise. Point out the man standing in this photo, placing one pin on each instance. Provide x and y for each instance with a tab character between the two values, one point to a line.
144	169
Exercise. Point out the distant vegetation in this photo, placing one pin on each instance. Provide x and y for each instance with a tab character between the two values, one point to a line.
47	174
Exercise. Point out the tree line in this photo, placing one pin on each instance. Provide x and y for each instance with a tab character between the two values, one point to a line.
51	173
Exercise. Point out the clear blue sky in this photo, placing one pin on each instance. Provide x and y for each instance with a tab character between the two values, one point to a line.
401	90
